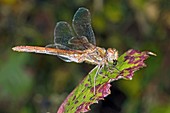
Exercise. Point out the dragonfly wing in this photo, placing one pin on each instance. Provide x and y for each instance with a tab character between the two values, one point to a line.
67	58
82	25
81	42
63	38
57	46
62	34
64	59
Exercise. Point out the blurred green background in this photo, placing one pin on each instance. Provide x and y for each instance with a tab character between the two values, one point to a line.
35	83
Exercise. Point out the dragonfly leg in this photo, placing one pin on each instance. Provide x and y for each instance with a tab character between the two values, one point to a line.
100	71
99	67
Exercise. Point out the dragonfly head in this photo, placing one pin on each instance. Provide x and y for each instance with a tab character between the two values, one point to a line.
112	56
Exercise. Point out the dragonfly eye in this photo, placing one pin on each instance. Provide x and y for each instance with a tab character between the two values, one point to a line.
114	62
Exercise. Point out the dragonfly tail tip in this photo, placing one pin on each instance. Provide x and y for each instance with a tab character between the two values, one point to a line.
15	48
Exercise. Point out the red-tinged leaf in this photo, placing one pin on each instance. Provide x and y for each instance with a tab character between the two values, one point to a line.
80	99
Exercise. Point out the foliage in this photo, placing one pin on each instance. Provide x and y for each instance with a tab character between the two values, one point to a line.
83	95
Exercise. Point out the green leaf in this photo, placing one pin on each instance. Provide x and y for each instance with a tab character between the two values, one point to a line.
83	95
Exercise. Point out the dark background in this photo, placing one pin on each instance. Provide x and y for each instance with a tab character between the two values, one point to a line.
35	83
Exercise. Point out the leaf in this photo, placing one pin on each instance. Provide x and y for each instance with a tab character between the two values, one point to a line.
83	95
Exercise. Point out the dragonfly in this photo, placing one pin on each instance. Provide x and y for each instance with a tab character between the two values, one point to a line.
76	43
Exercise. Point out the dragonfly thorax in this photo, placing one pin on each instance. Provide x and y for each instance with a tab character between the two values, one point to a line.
112	56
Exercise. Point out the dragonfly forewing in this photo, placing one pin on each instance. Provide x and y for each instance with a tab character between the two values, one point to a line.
82	25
